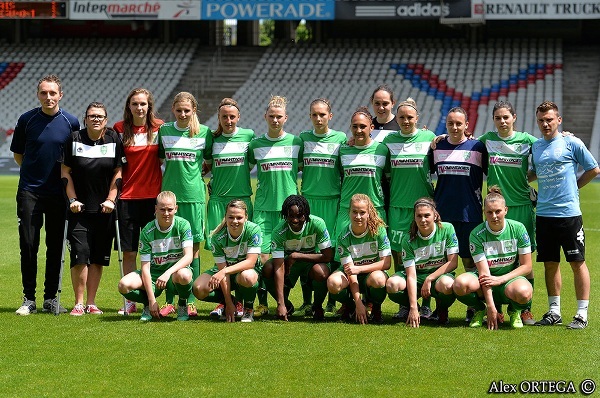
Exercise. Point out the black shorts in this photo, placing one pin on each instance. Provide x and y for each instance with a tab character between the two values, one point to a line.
90	236
556	232
134	214
463	230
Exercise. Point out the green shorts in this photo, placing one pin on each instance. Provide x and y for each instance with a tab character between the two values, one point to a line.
216	212
234	284
498	291
300	269
267	221
362	280
327	209
525	215
154	275
400	219
421	279
195	213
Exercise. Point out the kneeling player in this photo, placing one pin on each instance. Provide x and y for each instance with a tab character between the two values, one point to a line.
166	254
501	250
235	246
365	255
300	247
430	256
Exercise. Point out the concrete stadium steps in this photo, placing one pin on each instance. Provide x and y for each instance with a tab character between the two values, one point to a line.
580	89
213	74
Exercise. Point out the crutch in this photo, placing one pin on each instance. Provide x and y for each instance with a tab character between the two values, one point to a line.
62	264
119	182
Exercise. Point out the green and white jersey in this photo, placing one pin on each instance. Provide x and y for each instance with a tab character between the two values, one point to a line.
164	248
313	235
183	162
321	175
409	167
228	154
508	165
428	253
225	249
363	168
363	249
276	162
500	249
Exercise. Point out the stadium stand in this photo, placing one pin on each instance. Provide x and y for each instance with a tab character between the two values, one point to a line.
594	146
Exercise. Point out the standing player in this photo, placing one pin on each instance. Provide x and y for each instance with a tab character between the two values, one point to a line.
430	256
321	179
166	255
509	152
384	121
226	156
460	164
365	255
559	222
37	148
181	147
276	155
363	167
410	179
142	177
90	170
301	248
502	253
235	247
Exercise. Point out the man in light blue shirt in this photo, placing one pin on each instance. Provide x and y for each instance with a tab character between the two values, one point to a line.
559	223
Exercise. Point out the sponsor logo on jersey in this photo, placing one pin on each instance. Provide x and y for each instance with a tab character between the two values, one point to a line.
360	171
319	162
501	261
277	165
432	263
506	161
406	162
231	161
171	257
181	155
454	169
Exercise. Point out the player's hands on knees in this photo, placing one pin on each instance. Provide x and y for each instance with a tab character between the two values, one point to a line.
426	289
414	318
361	313
215	280
489	281
350	269
154	309
161	282
107	206
282	312
492	317
230	312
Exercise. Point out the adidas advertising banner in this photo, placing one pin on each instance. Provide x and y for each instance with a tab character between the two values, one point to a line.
537	9
263	9
135	9
410	9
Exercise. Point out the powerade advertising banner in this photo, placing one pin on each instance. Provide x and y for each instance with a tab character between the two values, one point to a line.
538	9
399	9
263	9
135	9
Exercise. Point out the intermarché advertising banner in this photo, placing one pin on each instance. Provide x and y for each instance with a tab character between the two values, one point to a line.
268	9
537	9
402	9
135	9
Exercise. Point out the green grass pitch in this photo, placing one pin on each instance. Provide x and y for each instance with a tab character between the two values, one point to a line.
114	356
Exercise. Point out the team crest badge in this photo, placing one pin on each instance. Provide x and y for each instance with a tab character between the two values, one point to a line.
467	155
438	247
288	151
103	149
309	241
518	148
508	246
330	148
176	241
373	247
557	152
193	142
418	146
